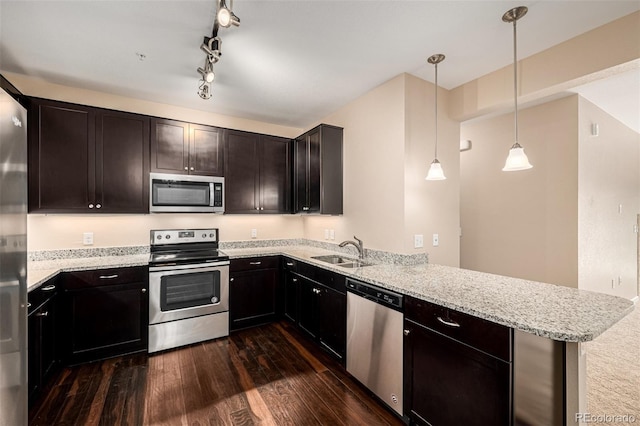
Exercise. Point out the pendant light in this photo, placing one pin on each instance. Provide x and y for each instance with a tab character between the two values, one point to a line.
517	159
435	170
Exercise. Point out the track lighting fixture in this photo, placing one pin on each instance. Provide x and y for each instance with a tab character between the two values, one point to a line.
226	17
206	72
435	170
205	90
212	46
517	159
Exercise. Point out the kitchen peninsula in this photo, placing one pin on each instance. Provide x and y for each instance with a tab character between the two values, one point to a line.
563	315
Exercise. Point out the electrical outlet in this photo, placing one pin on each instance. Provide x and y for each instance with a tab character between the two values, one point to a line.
436	240
326	234
254	233
87	238
418	241
332	234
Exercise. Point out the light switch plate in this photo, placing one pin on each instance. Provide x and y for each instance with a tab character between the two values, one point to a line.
254	233
418	241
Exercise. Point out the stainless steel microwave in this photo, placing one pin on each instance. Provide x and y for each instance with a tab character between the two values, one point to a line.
170	193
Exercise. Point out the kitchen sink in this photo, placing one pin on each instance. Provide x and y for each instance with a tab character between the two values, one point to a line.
343	262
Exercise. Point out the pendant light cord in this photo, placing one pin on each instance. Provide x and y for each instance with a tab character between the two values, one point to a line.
436	154
515	78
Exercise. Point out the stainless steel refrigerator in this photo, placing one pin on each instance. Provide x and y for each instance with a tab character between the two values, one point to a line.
13	257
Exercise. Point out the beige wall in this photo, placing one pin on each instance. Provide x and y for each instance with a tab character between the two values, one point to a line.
609	202
388	146
603	51
522	224
65	231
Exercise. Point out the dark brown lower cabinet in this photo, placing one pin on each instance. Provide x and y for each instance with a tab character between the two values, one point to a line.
447	380
43	357
323	315
106	313
253	291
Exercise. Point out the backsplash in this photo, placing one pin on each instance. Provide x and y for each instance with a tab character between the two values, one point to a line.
373	255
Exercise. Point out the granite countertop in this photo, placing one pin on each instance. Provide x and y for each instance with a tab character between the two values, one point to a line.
546	310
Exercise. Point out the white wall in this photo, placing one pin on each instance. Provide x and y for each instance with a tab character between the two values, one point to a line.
609	203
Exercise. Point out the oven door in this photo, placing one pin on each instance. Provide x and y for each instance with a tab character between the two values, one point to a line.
187	291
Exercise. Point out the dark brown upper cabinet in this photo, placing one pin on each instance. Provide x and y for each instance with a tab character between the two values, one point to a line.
87	160
186	148
318	171
257	173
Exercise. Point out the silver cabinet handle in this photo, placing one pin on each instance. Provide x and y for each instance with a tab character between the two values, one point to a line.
295	280
186	168
28	304
406	332
289	263
231	279
90	206
305	208
261	208
317	291
98	206
257	208
192	168
144	290
49	288
255	263
448	323
43	314
108	277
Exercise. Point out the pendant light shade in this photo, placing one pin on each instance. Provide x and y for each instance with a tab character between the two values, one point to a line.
435	171
517	159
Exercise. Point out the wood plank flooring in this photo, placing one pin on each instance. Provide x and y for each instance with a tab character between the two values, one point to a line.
268	375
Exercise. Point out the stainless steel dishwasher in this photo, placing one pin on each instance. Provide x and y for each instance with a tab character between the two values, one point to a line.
375	340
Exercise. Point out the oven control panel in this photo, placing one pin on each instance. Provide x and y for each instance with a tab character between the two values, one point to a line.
183	236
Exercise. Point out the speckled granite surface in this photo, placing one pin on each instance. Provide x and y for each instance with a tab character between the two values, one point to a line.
546	310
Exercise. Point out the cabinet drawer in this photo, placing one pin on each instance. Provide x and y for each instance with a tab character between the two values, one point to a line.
254	263
102	277
492	338
40	295
322	276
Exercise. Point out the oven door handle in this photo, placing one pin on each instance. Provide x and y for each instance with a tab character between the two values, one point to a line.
198	266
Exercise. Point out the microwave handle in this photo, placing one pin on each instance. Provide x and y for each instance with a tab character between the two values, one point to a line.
212	192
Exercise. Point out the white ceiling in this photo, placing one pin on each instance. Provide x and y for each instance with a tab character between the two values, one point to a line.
289	62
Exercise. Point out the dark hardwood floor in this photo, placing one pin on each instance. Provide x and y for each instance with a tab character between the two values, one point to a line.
264	375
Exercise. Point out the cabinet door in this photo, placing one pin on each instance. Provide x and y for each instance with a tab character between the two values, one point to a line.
332	320
42	353
33	354
313	186
300	175
275	169
122	158
252	298
106	321
169	146
447	382
308	313
61	157
291	296
206	154
241	172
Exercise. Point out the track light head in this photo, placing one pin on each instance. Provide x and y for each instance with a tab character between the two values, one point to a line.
226	17
205	90
207	74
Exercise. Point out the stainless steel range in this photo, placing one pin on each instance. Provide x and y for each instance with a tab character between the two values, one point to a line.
188	288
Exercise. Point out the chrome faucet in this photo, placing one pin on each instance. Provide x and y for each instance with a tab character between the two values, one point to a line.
359	245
